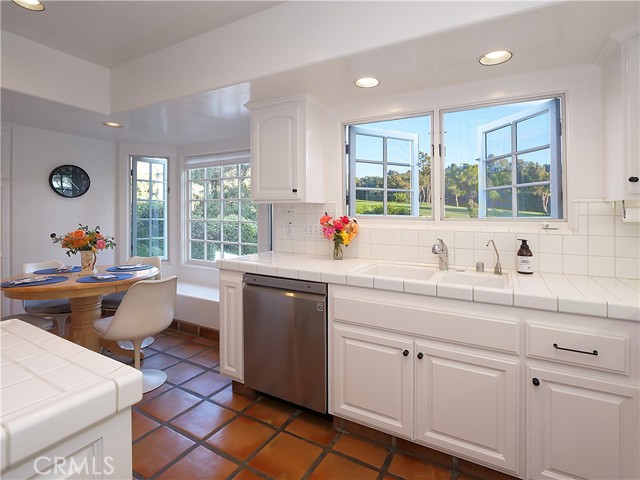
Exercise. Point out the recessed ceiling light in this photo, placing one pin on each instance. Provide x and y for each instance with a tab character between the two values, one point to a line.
367	82
34	5
112	124
495	58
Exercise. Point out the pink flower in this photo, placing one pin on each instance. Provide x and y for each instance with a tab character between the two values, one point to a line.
328	232
338	225
100	244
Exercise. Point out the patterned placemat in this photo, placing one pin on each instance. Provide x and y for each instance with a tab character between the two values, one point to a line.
55	271
129	268
104	278
44	281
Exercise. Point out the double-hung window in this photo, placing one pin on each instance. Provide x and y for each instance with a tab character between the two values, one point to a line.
149	189
222	221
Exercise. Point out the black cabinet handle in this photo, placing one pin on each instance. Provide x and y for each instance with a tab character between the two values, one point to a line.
405	353
535	381
594	352
294	190
420	355
633	179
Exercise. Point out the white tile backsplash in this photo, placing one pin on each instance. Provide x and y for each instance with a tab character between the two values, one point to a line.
599	245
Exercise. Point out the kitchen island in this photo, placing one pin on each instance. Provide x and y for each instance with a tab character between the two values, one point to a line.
65	410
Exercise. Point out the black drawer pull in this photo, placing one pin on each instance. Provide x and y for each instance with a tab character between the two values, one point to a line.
595	352
634	179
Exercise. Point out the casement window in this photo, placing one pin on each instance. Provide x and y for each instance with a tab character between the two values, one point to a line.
390	167
149	189
504	161
222	221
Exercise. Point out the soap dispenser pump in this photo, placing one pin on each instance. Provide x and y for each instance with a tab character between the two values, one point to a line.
525	258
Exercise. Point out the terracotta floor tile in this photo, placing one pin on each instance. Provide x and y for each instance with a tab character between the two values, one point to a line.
154	393
170	405
362	449
201	463
157	450
241	437
407	466
159	361
233	400
141	424
208	358
313	427
207	341
207	383
247	475
270	411
186	350
286	457
165	343
203	419
182	372
336	467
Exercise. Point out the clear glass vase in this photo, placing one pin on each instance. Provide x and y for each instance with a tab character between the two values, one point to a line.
337	251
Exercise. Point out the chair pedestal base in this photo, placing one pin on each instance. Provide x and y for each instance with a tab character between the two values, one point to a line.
127	345
152	379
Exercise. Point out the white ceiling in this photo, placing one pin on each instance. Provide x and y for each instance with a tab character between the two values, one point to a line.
558	35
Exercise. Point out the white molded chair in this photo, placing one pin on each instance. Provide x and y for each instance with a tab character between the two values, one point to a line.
146	309
112	301
59	309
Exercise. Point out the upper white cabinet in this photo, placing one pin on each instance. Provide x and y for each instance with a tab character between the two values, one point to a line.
287	150
621	104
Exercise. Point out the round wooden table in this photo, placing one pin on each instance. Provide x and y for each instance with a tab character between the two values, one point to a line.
85	299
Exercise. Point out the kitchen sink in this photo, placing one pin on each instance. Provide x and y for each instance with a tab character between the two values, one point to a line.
477	279
400	270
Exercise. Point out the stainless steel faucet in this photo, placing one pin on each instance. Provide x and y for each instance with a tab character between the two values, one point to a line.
497	270
442	251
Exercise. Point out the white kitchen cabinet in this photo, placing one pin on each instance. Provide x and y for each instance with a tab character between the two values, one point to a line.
579	427
231	333
287	150
621	105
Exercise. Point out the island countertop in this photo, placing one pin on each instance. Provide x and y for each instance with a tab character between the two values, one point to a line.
577	294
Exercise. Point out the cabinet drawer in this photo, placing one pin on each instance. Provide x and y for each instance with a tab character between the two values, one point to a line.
602	352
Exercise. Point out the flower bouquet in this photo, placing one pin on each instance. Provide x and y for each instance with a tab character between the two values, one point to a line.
341	230
87	242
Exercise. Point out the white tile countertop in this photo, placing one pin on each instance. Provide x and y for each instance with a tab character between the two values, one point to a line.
51	389
577	294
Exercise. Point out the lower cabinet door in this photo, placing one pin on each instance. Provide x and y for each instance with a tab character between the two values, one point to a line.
467	403
373	379
580	428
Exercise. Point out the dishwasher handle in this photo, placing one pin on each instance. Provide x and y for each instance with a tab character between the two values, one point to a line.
285	283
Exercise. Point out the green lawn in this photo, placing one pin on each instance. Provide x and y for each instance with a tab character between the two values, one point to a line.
368	207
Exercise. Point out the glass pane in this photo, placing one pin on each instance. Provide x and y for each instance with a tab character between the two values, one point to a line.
231	210
143	210
249	232
499	203
157	228
197	230
197	190
157	172
369	202
214	172
498	142
369	148
230	249
214	210
245	170
249	211
498	172
248	249
157	248
142	170
230	188
213	231
231	232
197	250
534	167
157	191
369	175
534	201
398	151
157	209
142	190
230	171
142	248
197	210
461	190
399	177
245	188
213	250
142	229
398	203
533	132
213	188
196	173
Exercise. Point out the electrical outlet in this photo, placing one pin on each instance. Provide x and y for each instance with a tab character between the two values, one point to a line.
288	211
311	230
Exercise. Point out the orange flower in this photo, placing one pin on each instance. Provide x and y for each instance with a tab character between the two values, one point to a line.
79	233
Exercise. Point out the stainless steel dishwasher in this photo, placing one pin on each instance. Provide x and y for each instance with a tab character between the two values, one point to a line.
285	339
